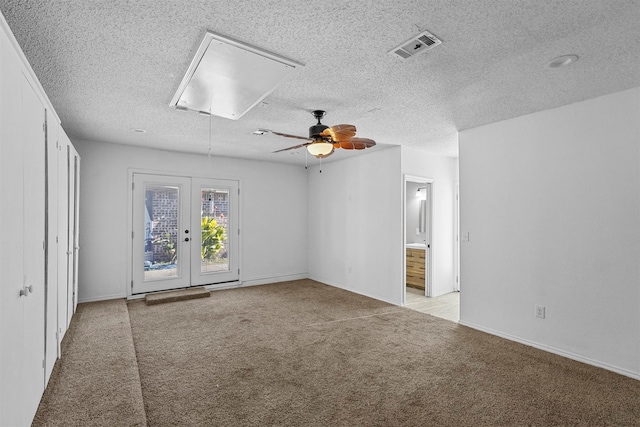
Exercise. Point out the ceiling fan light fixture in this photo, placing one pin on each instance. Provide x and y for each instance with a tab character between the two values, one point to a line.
320	148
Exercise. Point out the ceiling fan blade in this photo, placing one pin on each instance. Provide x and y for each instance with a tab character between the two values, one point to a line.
357	144
293	148
286	135
339	133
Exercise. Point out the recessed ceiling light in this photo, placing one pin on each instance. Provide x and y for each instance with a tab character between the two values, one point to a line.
139	130
562	61
260	131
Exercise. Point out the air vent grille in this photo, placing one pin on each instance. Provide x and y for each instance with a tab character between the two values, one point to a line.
421	43
404	54
427	40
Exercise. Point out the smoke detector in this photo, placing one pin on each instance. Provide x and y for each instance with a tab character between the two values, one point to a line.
421	43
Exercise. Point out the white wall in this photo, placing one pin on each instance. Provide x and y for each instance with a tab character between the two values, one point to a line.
355	224
273	210
552	204
443	170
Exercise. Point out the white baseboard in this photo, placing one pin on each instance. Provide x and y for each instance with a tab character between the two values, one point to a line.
568	355
363	293
253	281
101	298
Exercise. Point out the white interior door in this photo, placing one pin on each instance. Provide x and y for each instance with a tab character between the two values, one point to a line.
33	373
185	232
71	189
63	236
12	328
51	343
74	210
428	240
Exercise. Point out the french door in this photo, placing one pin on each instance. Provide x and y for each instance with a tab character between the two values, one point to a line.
185	232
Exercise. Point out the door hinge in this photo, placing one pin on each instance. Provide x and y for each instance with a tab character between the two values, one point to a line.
44	245
132	286
132	234
56	239
238	272
238	191
238	231
43	365
133	185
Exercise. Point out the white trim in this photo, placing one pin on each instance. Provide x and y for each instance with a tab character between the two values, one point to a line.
366	294
429	251
102	298
129	250
568	355
456	238
254	281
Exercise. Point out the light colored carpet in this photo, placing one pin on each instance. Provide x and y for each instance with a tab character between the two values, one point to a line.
303	353
96	382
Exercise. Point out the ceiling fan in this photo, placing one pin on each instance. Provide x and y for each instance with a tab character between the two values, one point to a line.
323	140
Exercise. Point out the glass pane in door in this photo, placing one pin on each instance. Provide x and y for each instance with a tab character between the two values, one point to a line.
214	220
161	222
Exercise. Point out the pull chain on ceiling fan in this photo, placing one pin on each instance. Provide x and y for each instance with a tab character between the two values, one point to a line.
323	140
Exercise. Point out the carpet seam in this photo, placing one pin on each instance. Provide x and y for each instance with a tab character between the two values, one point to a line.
139	379
353	318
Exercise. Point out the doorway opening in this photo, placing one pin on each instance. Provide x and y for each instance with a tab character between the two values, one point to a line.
417	236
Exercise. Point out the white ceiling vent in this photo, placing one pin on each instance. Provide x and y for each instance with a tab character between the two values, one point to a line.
421	43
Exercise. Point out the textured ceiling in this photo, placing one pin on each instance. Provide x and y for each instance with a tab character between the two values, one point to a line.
112	66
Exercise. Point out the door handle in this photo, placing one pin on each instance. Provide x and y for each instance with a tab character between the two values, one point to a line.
186	239
26	290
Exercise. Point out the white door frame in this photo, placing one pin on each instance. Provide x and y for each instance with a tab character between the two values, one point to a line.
430	248
130	222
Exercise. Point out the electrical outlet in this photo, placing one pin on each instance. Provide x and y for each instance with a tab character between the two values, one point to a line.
540	311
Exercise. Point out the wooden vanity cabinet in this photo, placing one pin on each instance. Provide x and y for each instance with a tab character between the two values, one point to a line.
416	271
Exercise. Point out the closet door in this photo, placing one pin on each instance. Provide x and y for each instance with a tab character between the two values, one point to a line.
11	241
74	210
51	343
63	235
73	165
33	127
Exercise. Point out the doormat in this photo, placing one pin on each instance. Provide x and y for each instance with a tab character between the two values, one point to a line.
179	295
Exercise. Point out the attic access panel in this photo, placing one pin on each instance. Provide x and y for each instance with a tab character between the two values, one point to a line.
227	78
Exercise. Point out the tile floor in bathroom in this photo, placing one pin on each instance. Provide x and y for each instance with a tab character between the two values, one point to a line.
445	306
